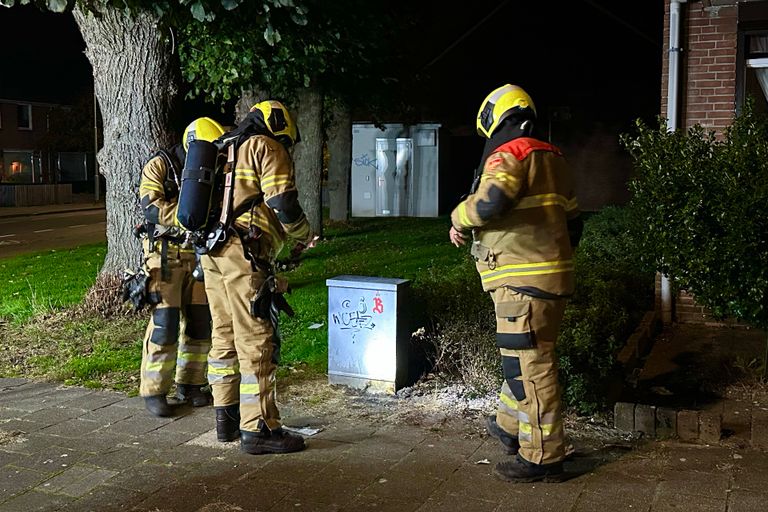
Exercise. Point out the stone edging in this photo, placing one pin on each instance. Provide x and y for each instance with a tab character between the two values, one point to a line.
665	423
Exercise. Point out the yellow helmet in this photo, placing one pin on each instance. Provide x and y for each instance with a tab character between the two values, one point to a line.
278	121
501	103
202	128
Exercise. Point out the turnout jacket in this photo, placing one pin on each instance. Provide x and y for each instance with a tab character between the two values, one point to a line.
264	176
159	193
519	215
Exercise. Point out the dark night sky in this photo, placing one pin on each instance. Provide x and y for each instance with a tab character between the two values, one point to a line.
599	58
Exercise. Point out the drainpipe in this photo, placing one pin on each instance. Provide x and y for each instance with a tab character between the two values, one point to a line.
673	86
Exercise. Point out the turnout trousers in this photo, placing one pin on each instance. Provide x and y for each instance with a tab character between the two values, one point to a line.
242	362
179	331
530	406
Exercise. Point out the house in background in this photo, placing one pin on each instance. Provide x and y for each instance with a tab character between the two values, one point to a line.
715	56
39	162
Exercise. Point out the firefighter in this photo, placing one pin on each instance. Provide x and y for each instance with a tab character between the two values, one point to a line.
524	220
260	210
179	331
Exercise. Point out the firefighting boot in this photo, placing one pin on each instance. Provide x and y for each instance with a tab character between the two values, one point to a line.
494	430
266	441
193	394
158	405
228	423
520	470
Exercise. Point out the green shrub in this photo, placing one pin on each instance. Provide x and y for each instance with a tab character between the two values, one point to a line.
702	202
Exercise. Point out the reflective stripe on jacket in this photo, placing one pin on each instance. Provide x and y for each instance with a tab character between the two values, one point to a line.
519	215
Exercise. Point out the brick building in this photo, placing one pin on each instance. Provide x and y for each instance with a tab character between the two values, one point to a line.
722	58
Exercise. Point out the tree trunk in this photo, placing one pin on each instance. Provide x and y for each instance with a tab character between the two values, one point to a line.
340	161
308	155
249	98
135	86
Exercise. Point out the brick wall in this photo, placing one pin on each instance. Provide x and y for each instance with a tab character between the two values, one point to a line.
708	37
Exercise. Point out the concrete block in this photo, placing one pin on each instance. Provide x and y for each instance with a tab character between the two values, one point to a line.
688	425
624	416
710	427
759	428
666	423
645	419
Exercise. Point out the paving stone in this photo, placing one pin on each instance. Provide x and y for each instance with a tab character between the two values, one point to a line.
700	458
54	415
645	419
688	425
119	458
95	400
263	496
346	433
15	480
8	383
138	424
695	483
421	463
160	439
624	416
333	490
401	485
192	423
475	481
28	443
107	415
107	498
43	397
591	501
77	480
539	497
751	478
747	501
293	505
25	391
670	501
666	423
21	426
52	459
146	477
283	468
710	427
760	429
10	457
737	419
100	441
135	402
75	427
34	501
383	504
10	414
441	501
612	483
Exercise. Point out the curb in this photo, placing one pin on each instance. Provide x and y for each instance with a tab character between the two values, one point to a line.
52	212
666	423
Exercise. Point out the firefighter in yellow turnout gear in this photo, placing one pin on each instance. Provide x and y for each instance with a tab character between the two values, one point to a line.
524	218
179	330
241	285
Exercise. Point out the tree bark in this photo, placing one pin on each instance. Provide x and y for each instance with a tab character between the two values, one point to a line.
249	98
308	155
339	161
135	86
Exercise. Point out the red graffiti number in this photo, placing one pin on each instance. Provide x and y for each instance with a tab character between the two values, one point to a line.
378	306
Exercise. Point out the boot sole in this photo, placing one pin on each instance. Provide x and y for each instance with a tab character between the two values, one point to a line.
266	451
229	438
549	479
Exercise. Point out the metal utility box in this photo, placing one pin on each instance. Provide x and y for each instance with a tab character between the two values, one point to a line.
395	170
369	343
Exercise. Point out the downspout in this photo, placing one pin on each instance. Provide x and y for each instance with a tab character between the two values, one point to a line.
673	86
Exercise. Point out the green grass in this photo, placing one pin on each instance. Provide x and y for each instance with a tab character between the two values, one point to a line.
40	282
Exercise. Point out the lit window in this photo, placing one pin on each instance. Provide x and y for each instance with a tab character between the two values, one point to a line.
24	116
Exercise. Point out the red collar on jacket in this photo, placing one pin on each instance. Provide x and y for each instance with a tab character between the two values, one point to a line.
522	146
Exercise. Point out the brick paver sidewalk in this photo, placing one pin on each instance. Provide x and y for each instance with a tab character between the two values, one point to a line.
75	449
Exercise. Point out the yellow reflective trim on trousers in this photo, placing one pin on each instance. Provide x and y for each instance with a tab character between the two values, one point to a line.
512	404
573	204
527	428
212	370
159	366
249	389
463	217
542	200
526	269
194	358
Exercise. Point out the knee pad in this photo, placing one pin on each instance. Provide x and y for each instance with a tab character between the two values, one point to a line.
511	368
198	321
166	326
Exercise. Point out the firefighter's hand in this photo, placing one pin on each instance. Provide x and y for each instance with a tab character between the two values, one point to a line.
457	237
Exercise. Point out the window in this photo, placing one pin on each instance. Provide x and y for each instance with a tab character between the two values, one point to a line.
18	167
24	117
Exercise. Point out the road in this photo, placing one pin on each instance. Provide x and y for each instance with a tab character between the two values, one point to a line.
19	235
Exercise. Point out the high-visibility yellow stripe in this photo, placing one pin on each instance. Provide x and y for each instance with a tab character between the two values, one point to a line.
148	179
512	404
525	428
542	200
532	269
160	366
509	182
245	171
573	204
463	217
148	186
212	370
249	389
274	177
193	358
284	181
